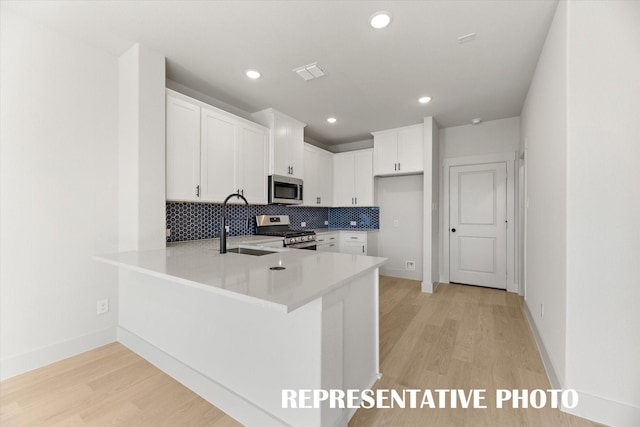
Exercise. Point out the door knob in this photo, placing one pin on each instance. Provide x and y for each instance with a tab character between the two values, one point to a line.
453	230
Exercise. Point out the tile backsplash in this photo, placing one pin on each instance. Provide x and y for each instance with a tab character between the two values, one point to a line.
368	217
195	221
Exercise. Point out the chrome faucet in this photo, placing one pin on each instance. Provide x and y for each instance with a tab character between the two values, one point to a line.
223	228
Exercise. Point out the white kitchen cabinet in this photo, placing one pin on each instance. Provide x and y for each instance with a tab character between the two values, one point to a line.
225	153
328	242
353	178
318	177
218	156
353	243
398	151
252	155
183	150
286	142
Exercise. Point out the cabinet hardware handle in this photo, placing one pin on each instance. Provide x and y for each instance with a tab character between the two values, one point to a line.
398	166
242	191
395	166
291	170
319	200
332	238
197	191
356	201
362	248
353	238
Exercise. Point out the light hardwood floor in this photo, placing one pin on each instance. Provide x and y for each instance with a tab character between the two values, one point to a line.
459	337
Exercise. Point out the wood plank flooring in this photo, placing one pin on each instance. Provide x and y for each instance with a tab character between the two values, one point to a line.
108	386
459	337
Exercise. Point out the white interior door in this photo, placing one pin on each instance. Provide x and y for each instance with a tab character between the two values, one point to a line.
477	224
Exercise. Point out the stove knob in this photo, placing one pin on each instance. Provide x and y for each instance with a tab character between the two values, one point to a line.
305	238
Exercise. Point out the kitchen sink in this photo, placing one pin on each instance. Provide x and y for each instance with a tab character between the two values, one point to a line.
250	251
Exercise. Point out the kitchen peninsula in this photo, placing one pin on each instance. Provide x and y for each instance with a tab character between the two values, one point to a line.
238	329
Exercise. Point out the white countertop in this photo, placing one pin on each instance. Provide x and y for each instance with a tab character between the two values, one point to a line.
335	230
307	275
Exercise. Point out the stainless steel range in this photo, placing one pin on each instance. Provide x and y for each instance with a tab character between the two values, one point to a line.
278	225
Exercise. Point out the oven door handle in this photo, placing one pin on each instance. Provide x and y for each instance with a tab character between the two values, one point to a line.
302	245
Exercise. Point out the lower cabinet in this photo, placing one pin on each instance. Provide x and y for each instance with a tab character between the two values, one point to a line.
328	242
353	242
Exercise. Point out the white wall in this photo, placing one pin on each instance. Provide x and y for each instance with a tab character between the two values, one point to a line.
400	199
430	130
435	203
59	195
579	123
494	136
544	127
603	209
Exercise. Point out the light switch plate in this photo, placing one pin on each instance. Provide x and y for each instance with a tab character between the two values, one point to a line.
303	224
353	223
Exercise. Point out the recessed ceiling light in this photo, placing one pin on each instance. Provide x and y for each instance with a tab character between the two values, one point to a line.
380	19
476	121
332	120
424	100
253	74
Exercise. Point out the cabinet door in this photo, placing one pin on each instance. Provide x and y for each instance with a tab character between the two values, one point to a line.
281	141
355	248
410	150
295	151
324	178
218	157
343	179
183	150
364	178
386	153
310	180
252	155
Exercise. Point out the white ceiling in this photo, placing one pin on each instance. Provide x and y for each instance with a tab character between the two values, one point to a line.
374	77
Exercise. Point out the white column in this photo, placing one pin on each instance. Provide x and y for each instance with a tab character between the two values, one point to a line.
141	157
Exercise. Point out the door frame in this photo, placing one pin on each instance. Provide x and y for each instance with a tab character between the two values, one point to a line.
508	158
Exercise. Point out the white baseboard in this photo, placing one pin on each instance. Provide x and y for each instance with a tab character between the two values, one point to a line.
35	359
591	407
605	411
546	360
226	400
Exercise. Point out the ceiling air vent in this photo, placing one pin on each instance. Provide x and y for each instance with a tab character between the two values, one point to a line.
310	72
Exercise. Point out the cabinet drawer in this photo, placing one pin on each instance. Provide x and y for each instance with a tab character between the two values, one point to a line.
354	237
326	238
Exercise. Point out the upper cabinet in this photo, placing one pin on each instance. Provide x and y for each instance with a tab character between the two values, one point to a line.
353	178
183	149
286	142
398	151
212	153
318	176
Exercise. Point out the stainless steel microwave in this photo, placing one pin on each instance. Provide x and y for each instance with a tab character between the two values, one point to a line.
285	190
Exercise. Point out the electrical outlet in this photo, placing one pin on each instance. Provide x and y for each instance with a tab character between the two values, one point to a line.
326	223
395	222
168	232
102	306
542	311
353	223
410	265
303	224
226	227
